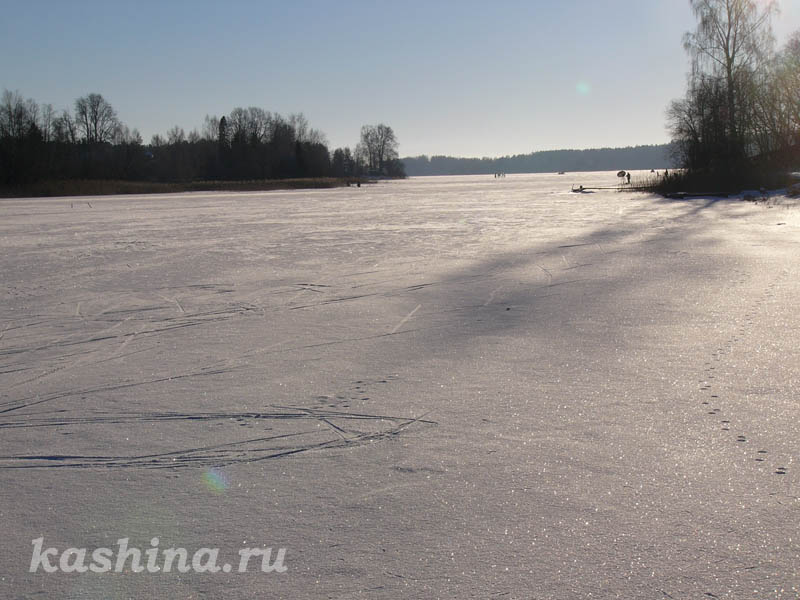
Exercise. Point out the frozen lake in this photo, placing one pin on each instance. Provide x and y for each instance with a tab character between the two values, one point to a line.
445	387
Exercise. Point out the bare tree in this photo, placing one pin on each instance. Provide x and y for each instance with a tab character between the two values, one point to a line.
130	137
258	125
380	145
732	40
32	112
15	117
64	129
315	136
176	135
788	84
238	125
96	119
697	124
46	120
122	135
361	159
210	128
299	123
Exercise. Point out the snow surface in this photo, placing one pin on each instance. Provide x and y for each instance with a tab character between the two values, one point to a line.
445	387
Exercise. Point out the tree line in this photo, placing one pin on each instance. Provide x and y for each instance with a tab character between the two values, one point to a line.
739	120
547	161
39	143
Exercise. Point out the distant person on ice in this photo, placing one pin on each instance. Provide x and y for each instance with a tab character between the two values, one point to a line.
628	175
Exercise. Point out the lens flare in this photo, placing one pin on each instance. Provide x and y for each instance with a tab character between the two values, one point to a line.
583	88
216	480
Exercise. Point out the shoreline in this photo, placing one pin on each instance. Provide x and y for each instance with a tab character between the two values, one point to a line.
109	187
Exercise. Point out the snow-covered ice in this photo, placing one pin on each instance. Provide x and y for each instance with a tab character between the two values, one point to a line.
445	387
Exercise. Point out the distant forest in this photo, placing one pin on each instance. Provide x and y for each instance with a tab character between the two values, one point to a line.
39	143
549	161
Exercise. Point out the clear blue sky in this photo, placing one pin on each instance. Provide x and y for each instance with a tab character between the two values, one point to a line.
461	78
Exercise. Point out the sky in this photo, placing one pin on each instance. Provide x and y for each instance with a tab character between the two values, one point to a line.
461	78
